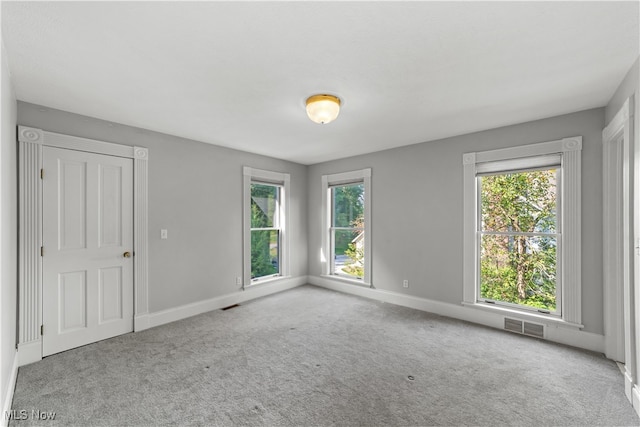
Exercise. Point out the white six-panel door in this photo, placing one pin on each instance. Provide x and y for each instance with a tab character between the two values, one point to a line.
87	259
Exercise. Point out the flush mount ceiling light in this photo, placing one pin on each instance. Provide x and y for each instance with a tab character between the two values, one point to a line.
323	109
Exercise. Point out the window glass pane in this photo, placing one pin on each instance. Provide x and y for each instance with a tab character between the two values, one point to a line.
348	205
264	205
265	253
519	201
519	270
349	253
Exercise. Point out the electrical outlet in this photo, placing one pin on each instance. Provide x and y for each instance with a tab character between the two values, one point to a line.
164	234
238	280
405	283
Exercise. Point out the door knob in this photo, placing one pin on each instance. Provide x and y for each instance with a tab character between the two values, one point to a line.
127	254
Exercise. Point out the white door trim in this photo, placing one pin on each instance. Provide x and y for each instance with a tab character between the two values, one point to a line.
617	242
31	141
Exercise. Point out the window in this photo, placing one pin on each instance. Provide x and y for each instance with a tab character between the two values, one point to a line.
522	229
347	230
265	230
518	236
346	241
265	241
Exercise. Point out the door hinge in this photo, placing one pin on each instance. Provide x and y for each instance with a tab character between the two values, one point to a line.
41	173
41	250
41	329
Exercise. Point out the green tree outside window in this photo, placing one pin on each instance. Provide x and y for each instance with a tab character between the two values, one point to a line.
265	233
519	238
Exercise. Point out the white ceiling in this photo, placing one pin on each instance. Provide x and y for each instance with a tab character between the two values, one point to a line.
236	74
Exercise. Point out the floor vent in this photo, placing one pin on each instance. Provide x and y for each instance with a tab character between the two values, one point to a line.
533	329
231	306
525	328
513	325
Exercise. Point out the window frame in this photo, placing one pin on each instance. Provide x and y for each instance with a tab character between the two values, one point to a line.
276	225
328	182
333	228
528	165
524	157
283	181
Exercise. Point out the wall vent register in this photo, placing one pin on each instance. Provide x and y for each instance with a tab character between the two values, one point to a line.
524	328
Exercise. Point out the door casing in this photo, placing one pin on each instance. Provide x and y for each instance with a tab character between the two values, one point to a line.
31	141
616	283
618	289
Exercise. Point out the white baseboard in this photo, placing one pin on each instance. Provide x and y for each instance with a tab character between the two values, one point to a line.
141	322
628	384
29	352
188	310
635	401
575	338
568	336
11	386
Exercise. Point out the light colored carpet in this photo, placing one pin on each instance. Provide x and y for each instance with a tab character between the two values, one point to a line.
314	357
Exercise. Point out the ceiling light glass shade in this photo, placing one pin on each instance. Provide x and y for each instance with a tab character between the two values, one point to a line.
323	109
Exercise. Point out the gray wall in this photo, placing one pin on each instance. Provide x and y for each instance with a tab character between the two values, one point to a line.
195	192
627	88
417	208
8	229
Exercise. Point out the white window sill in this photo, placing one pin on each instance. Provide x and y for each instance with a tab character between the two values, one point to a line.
266	280
546	319
346	280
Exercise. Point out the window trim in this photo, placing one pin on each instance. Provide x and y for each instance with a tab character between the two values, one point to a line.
260	176
570	217
329	181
